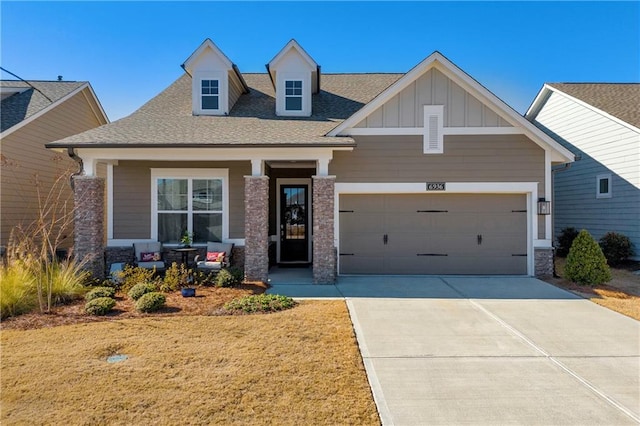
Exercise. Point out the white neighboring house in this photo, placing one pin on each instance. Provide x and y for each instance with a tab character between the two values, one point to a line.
600	124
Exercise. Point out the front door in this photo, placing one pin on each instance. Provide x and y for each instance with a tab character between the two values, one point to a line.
294	229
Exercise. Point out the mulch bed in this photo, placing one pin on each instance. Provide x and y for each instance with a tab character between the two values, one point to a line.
208	301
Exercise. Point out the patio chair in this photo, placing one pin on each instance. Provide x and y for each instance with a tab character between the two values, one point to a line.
218	256
148	255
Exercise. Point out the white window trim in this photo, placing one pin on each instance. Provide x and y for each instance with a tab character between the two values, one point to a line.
433	136
189	174
223	98
598	179
301	95
281	77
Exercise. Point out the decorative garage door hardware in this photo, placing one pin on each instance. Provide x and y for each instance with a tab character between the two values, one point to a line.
432	254
345	211
432	211
518	211
520	255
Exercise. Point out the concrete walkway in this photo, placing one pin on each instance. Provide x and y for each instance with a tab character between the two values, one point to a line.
489	350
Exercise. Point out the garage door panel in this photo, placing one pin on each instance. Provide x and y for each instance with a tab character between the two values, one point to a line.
363	222
361	243
362	265
362	203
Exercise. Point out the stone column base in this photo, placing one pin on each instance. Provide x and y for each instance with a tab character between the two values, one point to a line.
88	198
256	228
324	255
543	262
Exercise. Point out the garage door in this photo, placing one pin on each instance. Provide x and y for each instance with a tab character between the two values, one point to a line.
433	234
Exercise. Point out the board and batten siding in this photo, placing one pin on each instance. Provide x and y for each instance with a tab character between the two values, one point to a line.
25	156
605	147
461	109
399	159
132	195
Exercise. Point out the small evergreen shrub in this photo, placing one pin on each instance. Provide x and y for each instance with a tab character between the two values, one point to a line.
176	276
99	306
228	277
565	239
140	289
100	292
132	275
585	262
260	303
151	302
616	247
205	278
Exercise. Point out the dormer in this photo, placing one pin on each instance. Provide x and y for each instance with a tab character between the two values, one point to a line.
295	77
216	81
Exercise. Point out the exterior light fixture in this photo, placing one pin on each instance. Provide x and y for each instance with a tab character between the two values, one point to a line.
544	207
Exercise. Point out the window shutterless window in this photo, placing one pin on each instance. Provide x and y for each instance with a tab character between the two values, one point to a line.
194	204
603	186
293	95
210	92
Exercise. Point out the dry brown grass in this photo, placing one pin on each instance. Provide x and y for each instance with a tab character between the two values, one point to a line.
621	294
300	366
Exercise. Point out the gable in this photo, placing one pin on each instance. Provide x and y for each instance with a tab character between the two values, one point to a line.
461	108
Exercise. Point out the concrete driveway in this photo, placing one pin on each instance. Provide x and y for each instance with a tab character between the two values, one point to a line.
490	351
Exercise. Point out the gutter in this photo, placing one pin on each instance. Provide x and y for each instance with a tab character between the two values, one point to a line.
74	157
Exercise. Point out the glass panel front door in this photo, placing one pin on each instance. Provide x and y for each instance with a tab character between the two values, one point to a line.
294	229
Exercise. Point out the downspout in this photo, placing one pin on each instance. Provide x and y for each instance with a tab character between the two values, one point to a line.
78	160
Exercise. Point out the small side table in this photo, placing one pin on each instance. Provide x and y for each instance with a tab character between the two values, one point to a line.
184	251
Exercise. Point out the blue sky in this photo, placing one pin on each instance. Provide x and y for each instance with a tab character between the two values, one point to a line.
131	51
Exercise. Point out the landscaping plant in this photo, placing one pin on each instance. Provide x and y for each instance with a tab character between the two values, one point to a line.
151	302
99	306
616	248
260	303
17	290
175	277
586	263
100	292
132	275
565	239
140	289
228	277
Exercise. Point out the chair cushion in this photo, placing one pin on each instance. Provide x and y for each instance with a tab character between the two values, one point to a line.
150	265
146	247
220	247
215	256
212	266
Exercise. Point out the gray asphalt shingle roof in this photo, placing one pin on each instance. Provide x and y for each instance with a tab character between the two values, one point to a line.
167	119
20	106
621	100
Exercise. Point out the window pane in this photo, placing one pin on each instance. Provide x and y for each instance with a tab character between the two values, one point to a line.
604	186
210	102
171	227
172	194
207	194
293	104
207	227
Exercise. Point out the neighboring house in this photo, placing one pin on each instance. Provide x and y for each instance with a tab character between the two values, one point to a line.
419	173
32	114
600	124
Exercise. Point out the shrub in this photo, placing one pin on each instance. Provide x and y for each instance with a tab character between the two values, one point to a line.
616	247
66	280
585	263
140	289
205	278
175	277
99	306
260	303
565	239
228	277
17	290
132	275
150	302
100	292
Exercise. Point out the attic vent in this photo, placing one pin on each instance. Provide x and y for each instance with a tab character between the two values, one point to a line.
433	135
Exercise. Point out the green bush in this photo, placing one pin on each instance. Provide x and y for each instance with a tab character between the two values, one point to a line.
132	275
206	278
66	280
228	277
99	306
17	290
100	292
565	239
616	247
140	289
175	277
260	303
151	302
585	263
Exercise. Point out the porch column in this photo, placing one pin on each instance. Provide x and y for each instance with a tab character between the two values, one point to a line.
256	228
88	198
324	255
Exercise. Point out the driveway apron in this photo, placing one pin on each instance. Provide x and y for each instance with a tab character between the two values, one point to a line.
493	350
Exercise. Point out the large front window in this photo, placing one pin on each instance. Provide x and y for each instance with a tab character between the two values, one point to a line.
189	204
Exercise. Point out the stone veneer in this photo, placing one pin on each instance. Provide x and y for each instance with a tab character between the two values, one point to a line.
543	258
324	253
256	228
88	199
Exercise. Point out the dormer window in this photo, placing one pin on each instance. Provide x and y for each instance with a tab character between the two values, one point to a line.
210	94
293	95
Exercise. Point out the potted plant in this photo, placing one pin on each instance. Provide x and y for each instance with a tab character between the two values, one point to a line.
186	239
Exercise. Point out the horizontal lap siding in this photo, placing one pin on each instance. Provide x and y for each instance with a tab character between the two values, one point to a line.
132	195
606	147
26	155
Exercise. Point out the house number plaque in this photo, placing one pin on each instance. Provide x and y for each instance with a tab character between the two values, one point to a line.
436	186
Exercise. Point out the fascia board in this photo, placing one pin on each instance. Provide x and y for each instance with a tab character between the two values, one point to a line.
295	45
103	115
200	50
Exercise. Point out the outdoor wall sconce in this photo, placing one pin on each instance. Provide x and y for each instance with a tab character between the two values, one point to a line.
544	207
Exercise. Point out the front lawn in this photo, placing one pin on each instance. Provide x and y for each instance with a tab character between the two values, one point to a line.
300	366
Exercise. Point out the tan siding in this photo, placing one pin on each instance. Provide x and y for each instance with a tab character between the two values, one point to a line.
24	156
465	159
235	89
132	195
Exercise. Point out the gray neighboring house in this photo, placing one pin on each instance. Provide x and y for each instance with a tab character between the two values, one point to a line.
600	124
426	172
